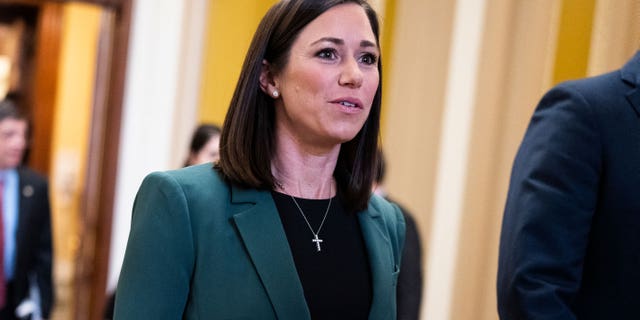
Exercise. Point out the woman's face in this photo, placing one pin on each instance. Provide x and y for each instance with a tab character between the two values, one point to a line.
330	80
210	152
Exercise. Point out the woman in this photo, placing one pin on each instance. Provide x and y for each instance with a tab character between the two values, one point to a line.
204	145
284	227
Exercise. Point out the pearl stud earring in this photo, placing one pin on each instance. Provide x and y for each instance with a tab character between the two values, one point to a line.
275	93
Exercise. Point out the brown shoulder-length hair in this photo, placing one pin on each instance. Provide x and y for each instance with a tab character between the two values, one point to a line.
247	143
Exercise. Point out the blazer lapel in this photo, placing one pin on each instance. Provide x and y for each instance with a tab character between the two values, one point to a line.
630	73
382	265
261	230
633	97
25	192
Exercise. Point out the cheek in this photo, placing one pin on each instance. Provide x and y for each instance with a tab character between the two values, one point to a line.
15	144
301	97
371	93
372	85
201	157
306	83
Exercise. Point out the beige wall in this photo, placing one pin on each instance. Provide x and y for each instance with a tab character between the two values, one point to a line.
616	34
514	72
413	101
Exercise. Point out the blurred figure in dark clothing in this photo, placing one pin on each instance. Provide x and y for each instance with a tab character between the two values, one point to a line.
26	255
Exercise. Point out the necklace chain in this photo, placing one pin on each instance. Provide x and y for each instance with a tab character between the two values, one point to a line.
315	234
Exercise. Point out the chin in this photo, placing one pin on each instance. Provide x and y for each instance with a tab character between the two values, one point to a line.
341	135
345	137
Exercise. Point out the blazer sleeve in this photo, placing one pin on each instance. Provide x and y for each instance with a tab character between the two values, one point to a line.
549	209
409	291
44	255
159	258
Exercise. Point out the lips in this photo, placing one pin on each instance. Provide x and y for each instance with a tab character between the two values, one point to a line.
348	102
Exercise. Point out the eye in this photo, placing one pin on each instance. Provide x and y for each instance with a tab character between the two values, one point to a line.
369	59
327	54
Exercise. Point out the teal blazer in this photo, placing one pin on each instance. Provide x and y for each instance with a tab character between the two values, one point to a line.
200	248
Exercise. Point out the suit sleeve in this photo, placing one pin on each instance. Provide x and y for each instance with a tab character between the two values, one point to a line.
159	258
549	209
409	294
44	255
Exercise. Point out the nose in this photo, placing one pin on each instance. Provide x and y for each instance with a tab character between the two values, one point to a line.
351	74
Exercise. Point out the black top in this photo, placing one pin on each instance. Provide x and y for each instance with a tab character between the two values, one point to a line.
337	279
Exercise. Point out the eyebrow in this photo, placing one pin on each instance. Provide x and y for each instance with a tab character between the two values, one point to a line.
338	41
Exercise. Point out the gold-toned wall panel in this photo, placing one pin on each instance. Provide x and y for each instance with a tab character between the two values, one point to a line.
230	27
70	142
574	37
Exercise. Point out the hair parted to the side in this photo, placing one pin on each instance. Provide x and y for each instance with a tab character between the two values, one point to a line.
247	143
9	109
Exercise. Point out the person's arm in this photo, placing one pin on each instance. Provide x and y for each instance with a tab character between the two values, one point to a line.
159	259
44	253
551	201
409	294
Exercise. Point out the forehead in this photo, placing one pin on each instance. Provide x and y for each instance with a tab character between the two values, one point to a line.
13	124
348	21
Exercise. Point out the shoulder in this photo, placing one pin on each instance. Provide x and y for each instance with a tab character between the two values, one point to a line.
189	177
594	95
195	186
391	216
587	105
611	81
389	210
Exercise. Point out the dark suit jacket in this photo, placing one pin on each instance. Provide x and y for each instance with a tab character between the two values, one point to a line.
570	243
201	249
33	241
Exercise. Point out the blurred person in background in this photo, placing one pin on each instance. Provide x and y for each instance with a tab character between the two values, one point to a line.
570	243
26	284
204	146
410	278
285	225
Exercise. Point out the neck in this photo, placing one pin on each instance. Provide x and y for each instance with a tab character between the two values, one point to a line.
379	190
303	172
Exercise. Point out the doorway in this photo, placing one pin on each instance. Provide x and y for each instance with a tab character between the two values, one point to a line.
70	80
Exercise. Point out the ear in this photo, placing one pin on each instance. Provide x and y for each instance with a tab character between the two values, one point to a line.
267	81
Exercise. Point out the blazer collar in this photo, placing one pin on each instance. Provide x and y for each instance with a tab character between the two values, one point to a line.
258	222
630	74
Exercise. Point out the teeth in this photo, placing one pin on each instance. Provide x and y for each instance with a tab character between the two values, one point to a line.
347	104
